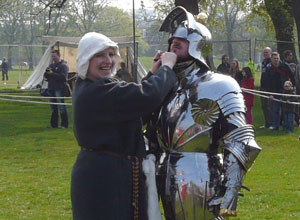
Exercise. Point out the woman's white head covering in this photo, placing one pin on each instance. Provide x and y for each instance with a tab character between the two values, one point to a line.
90	44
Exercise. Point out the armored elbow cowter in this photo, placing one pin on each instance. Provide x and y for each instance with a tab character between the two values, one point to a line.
241	143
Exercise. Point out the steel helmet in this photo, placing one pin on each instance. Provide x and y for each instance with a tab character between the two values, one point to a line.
180	23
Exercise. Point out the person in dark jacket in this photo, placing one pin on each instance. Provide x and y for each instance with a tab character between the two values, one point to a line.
4	67
56	75
235	72
265	103
123	73
276	78
224	66
107	180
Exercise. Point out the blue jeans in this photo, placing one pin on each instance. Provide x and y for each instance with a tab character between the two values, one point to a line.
288	121
55	108
275	112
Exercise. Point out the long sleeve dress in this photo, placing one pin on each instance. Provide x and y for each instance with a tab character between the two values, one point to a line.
107	125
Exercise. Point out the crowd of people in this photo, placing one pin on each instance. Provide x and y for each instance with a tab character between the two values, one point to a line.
277	76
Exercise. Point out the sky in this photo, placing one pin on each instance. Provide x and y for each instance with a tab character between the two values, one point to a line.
127	4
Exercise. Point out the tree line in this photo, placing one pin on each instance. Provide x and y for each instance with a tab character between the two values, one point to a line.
23	21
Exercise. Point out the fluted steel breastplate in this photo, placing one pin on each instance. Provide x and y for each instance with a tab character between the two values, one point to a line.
186	121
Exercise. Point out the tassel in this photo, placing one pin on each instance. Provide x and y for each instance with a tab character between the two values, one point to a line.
153	203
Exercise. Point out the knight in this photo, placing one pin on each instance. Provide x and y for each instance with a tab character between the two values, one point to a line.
199	135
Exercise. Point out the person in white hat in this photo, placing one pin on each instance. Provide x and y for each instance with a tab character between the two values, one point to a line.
107	181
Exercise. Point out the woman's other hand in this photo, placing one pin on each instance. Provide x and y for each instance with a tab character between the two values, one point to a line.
169	59
156	63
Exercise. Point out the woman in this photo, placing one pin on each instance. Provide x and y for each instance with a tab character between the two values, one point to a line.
235	72
248	83
107	181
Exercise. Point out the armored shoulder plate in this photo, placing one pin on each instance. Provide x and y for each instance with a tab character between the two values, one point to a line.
222	89
188	118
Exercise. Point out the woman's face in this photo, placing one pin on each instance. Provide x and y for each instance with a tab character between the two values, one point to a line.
233	65
101	64
244	73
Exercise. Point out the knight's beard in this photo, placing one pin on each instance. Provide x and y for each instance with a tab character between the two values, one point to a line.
184	59
181	66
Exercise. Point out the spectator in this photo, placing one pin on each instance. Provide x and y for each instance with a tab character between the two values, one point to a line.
248	83
287	66
265	102
288	109
235	72
56	75
4	67
123	73
224	66
276	75
251	66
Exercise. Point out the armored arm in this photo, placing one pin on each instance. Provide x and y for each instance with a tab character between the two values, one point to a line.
240	151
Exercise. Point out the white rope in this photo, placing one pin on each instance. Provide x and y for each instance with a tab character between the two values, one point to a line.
250	91
34	102
269	93
255	92
33	97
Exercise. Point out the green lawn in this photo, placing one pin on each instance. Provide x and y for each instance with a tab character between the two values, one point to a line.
36	163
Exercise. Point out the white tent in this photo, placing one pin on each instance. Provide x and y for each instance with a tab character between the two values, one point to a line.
68	50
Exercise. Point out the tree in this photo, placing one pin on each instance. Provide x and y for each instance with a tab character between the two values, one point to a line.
230	11
296	10
11	23
84	13
114	22
281	13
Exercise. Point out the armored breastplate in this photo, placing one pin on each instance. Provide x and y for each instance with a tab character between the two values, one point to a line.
186	119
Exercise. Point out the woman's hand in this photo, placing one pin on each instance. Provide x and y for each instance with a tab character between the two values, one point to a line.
163	58
168	59
156	62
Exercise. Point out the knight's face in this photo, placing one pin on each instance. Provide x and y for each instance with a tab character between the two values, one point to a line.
180	46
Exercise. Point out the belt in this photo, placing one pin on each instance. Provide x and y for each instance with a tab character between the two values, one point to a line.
135	174
113	154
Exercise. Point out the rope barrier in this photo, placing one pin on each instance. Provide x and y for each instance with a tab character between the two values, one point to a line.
33	97
250	91
35	102
256	92
269	93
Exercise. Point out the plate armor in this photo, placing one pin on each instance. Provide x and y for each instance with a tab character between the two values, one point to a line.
202	118
205	145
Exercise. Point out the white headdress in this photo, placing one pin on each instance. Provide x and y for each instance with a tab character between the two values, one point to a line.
90	44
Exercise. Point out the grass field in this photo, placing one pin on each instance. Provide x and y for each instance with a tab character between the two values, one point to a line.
36	163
